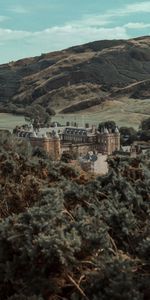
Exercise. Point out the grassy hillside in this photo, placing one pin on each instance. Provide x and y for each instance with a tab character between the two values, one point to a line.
95	72
125	111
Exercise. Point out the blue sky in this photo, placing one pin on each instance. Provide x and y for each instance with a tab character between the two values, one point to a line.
31	27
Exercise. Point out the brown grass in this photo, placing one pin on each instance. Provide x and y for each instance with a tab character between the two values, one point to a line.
125	111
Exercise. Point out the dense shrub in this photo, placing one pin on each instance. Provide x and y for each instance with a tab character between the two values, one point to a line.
65	239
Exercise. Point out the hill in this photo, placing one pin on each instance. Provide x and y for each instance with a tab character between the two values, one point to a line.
63	80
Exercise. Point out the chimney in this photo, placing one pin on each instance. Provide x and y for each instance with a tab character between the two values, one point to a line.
93	129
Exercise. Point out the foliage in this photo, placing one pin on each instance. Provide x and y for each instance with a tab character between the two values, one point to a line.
38	116
144	135
68	156
65	238
108	124
128	135
144	132
145	124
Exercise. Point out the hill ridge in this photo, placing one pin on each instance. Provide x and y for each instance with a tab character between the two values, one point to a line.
97	70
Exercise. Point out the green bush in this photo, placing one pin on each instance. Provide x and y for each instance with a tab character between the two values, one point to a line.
61	238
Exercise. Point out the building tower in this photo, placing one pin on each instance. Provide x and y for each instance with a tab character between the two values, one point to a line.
45	143
57	147
108	141
117	139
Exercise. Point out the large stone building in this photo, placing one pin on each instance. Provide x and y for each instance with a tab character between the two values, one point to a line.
49	143
57	140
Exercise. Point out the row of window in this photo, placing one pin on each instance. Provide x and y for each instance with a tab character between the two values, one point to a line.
74	139
24	134
102	141
75	132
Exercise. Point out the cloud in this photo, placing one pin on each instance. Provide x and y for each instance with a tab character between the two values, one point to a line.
3	18
13	35
97	20
139	25
18	9
88	28
21	44
138	7
128	9
91	20
70	33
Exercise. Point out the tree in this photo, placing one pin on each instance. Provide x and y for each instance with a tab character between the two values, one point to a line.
68	156
144	132
145	124
128	135
108	124
50	111
38	116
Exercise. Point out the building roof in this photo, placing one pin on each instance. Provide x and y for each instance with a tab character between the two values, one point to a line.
106	130
116	130
75	131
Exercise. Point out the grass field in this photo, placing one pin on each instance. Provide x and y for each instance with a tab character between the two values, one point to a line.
9	121
125	112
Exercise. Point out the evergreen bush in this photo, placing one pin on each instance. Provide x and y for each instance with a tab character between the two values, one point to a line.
61	238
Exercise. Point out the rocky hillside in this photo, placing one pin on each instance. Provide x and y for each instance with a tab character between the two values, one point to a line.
64	79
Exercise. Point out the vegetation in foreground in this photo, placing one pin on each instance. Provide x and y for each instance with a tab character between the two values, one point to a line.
64	236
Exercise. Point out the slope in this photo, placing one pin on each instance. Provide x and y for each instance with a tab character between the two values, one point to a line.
95	71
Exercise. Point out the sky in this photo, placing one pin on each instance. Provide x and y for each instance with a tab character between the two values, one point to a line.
31	27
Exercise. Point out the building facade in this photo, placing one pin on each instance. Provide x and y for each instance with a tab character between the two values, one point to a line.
73	139
105	142
108	142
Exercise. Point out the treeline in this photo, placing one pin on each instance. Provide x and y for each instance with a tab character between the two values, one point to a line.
34	113
66	236
129	134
